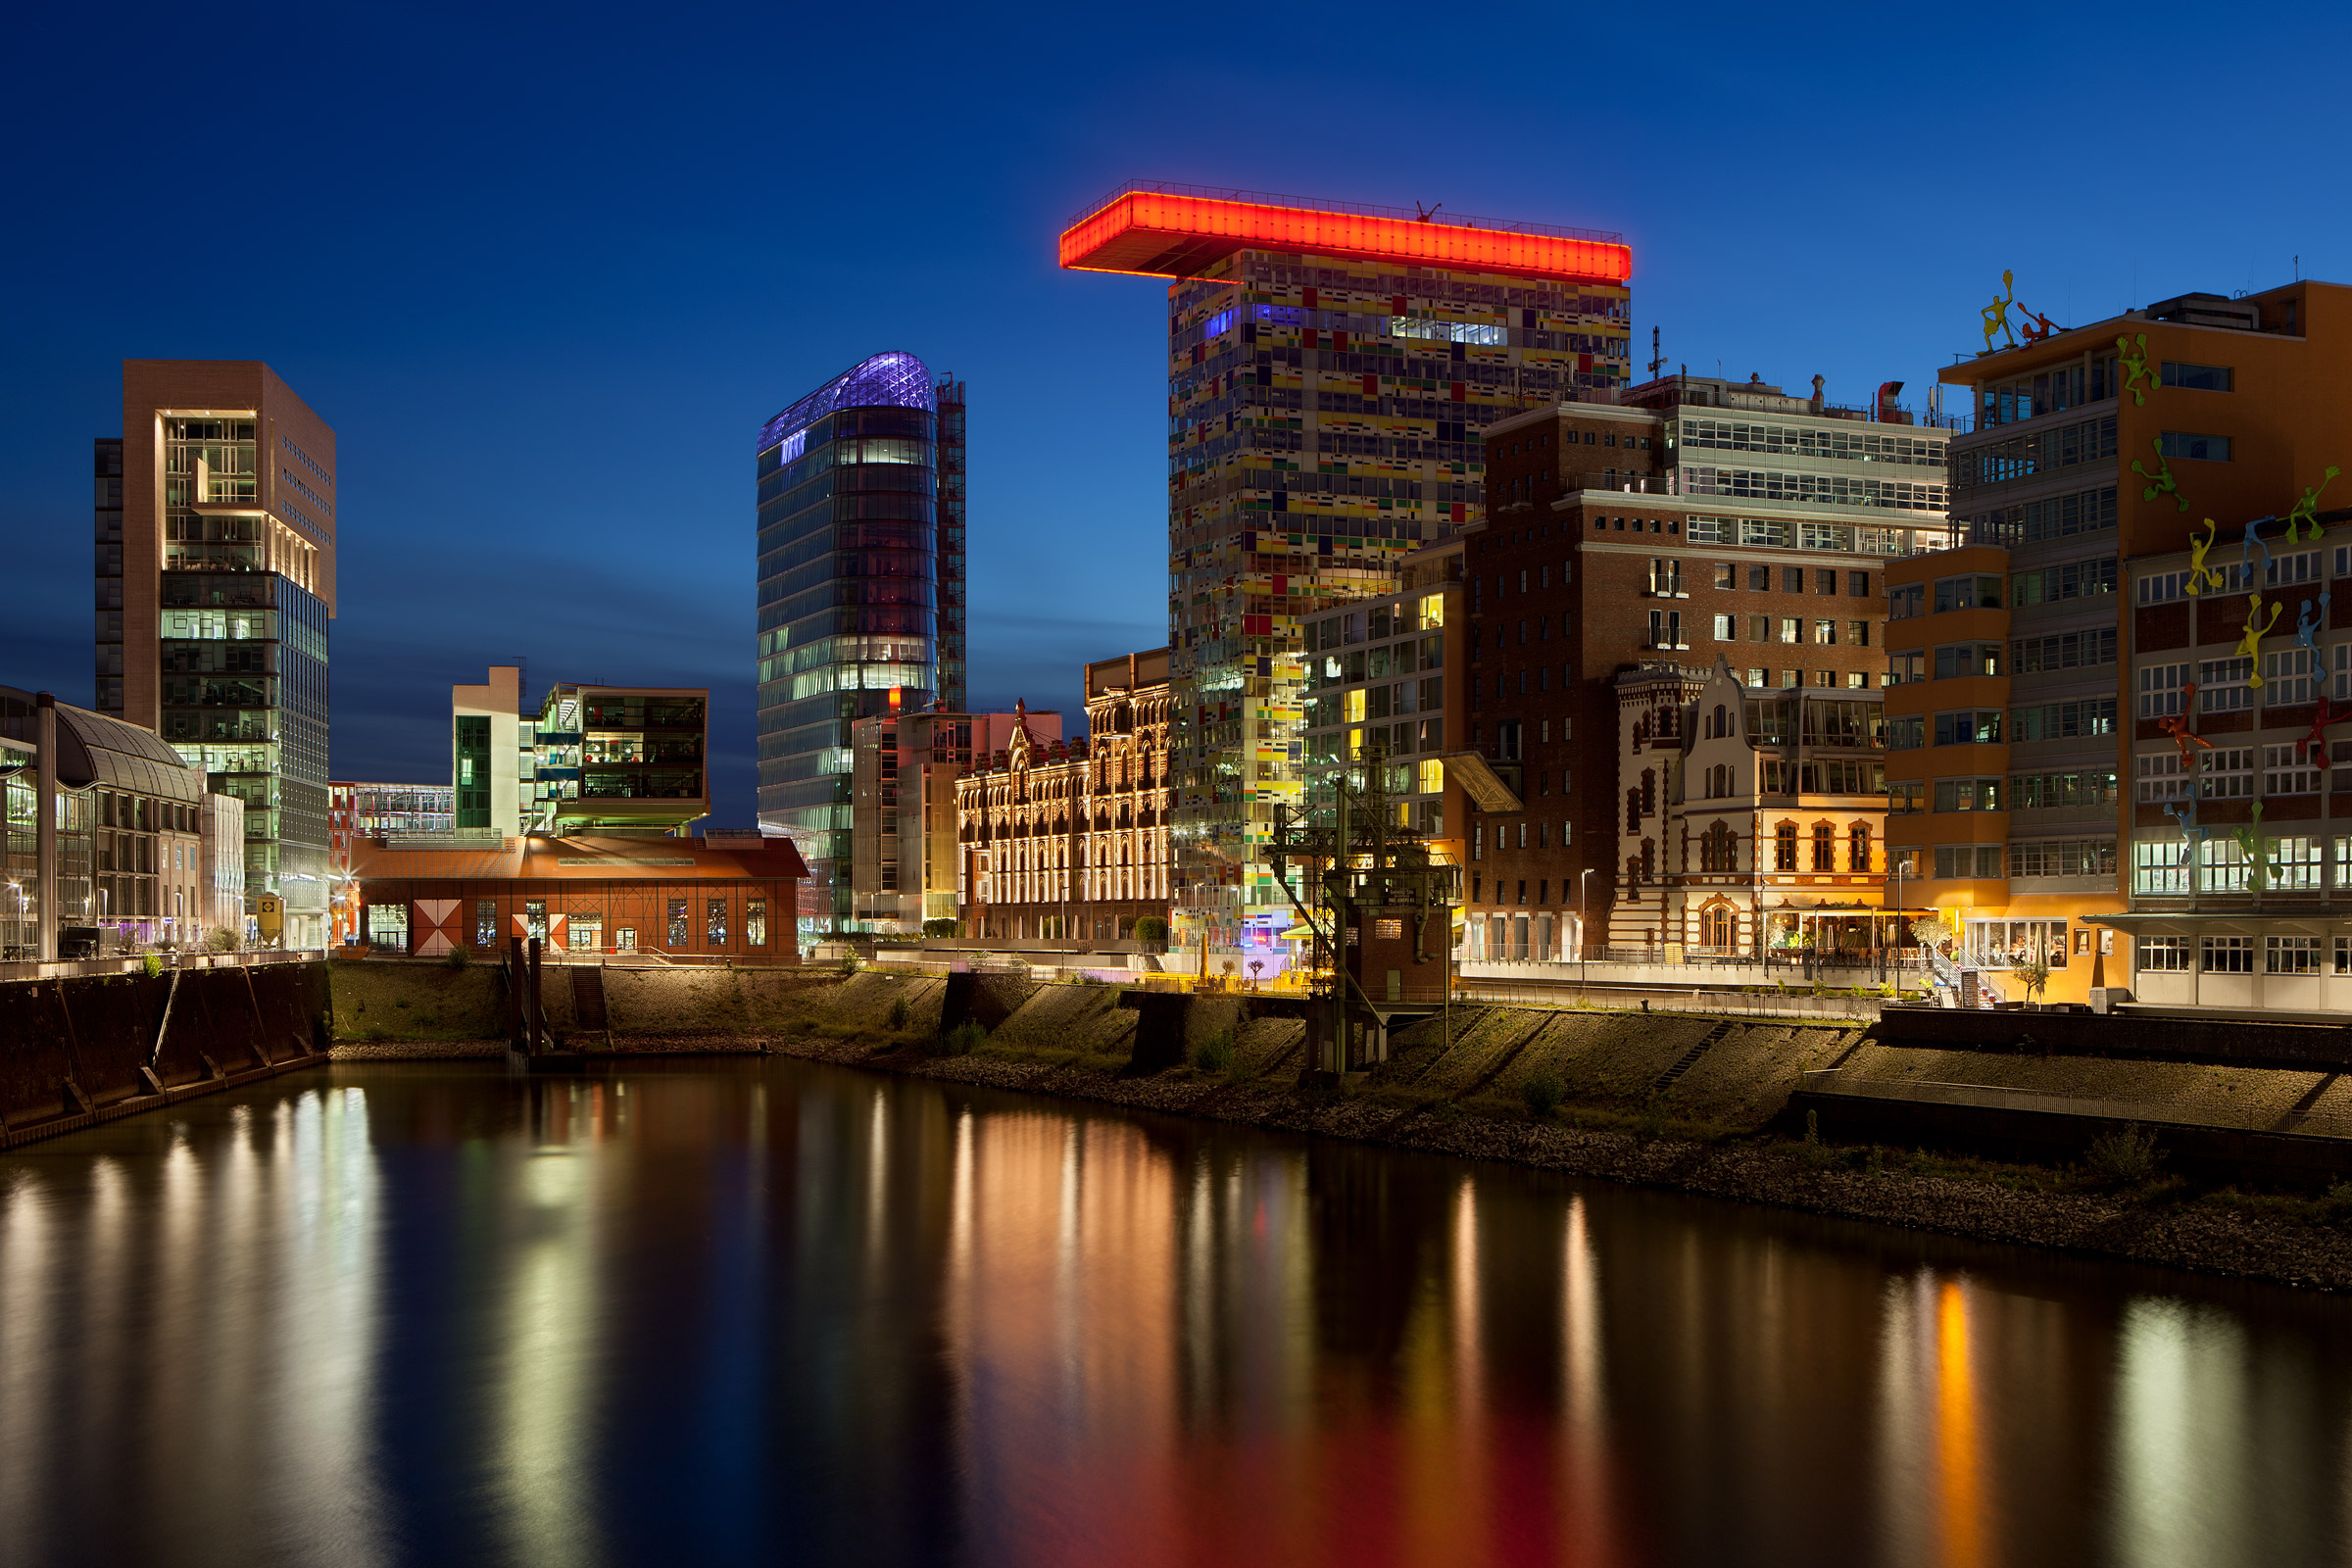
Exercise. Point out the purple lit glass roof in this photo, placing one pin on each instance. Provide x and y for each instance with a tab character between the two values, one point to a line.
887	381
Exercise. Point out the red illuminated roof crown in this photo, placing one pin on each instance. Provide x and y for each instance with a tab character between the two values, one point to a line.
1163	230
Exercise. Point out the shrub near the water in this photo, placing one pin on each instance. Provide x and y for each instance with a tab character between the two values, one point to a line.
965	1039
899	1013
2126	1157
1215	1053
1540	1092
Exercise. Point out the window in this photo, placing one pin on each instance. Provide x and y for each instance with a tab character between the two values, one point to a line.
2160	867
534	919
388	926
2160	689
1968	593
1824	847
1907	601
2056	518
1825	633
2062	857
1784	847
1967	795
2227	774
1907	861
1857	633
1727	628
2297	864
2283	773
1968	860
2038	792
2164	954
714	922
678	933
1904	668
1905	796
2073	579
2197	447
1792	579
1907	732
1792	630
2197	377
1857	847
2222	867
2287	677
1759	629
1726	576
2049	721
1956	660
1759	579
2073	650
2229	954
2290	955
485	925
1979	727
1857	584
2285	572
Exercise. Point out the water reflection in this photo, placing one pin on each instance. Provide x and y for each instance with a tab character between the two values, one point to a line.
736	1312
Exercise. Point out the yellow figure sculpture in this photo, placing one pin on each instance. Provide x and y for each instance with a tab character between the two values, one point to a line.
2199	574
1996	315
2250	644
2306	512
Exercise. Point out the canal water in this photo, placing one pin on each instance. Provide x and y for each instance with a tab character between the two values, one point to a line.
765	1311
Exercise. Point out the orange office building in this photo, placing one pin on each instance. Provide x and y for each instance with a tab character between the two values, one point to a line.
2098	697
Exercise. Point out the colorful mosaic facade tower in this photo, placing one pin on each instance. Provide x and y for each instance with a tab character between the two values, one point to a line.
1331	369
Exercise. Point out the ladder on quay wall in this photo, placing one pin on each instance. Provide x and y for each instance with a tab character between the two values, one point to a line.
588	1000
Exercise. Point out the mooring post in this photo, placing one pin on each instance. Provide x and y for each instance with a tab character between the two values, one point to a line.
538	1003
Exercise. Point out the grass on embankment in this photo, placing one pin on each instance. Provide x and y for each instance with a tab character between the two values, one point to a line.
384	1001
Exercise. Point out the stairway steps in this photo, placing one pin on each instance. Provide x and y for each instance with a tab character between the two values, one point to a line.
588	997
1690	1058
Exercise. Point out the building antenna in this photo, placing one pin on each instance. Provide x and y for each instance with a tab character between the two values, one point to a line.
1657	360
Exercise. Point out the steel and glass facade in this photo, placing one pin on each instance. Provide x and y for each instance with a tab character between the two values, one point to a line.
861	571
1331	369
215	584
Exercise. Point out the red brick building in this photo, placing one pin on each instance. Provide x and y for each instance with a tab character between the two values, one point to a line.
681	898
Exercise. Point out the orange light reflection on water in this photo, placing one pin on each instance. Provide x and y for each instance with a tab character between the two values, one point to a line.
1084	1269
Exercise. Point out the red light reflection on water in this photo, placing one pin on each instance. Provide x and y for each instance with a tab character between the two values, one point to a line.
1096	1425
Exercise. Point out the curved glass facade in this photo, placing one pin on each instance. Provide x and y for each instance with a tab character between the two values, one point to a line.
850	573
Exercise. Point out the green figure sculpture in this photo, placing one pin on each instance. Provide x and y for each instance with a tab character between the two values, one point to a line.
2160	481
2135	361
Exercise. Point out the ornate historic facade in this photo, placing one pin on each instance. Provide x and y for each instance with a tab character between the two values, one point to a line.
1070	843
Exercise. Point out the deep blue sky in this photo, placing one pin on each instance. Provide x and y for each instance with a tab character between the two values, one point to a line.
546	270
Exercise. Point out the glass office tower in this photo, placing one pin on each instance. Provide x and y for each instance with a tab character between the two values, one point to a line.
215	581
861	554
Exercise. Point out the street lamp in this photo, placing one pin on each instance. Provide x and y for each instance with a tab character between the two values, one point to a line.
1584	943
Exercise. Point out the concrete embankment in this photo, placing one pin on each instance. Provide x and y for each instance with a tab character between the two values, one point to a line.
404	1009
77	1052
1689	1104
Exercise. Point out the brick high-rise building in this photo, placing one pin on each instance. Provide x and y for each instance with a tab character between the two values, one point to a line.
215	581
1332	371
1630	553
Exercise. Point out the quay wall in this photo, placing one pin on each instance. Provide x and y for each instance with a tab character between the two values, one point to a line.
88	1048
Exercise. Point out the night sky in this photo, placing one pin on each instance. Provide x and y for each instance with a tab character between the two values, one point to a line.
546	270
